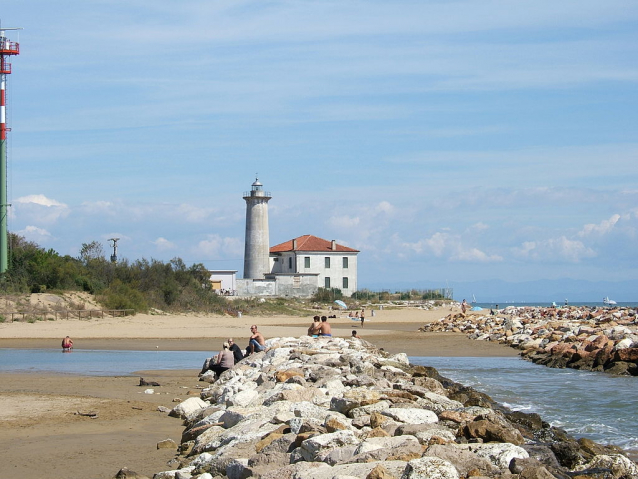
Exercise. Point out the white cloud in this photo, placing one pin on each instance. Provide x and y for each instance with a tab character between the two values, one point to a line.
554	249
478	227
40	209
39	200
385	207
193	213
450	246
600	229
33	233
215	247
100	207
475	255
163	244
344	221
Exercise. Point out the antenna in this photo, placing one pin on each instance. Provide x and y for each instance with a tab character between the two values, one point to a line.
7	49
114	255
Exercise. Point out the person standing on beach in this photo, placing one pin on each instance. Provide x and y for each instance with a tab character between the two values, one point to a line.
67	343
362	316
463	307
256	342
325	330
236	350
313	330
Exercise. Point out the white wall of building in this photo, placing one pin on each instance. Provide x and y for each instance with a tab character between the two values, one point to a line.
315	262
228	279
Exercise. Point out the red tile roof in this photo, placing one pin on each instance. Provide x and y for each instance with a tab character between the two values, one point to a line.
311	243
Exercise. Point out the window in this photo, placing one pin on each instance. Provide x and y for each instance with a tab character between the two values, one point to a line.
327	283
345	282
306	262
327	262
345	262
290	262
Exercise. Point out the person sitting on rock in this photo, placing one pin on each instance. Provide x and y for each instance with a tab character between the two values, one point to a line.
224	360
238	355
313	330
325	330
256	341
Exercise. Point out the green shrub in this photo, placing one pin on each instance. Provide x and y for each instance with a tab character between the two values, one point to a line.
123	296
325	295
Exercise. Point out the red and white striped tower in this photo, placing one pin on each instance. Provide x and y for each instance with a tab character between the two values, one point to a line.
7	49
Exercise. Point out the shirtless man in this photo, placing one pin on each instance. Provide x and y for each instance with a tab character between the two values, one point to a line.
325	330
67	343
257	341
313	330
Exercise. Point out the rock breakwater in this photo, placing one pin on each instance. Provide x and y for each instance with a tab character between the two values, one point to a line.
595	339
342	409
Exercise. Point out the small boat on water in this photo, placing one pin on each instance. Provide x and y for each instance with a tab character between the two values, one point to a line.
609	302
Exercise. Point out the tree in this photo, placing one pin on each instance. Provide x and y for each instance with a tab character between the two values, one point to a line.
91	251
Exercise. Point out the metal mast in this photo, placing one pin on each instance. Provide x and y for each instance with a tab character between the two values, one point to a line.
7	48
114	255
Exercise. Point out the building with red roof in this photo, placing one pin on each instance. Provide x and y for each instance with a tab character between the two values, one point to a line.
333	264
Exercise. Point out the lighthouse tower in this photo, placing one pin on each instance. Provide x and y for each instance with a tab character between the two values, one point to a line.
257	250
7	49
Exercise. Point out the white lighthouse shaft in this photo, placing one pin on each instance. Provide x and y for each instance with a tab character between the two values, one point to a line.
257	249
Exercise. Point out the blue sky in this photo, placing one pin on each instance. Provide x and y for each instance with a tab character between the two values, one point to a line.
446	140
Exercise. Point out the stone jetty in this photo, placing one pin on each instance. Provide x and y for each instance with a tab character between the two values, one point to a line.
333	408
596	339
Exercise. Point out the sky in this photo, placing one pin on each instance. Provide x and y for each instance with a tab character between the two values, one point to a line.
448	141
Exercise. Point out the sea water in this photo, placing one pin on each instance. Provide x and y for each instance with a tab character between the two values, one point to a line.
96	362
584	403
559	303
588	404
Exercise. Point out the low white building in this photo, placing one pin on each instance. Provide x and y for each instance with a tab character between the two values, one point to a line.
223	281
333	265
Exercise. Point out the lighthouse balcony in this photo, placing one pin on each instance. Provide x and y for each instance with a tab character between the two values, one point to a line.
9	48
259	193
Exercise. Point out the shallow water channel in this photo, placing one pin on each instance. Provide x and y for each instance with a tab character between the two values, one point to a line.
593	405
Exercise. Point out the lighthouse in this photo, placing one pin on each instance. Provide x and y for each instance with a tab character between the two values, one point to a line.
257	250
7	49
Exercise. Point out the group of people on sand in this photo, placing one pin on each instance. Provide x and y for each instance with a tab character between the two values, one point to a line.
321	328
231	354
356	315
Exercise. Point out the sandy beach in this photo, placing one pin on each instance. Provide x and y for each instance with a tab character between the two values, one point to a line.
41	434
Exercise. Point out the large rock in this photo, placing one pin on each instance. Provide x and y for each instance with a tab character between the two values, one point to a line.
499	454
126	473
463	460
619	465
430	468
188	407
411	415
492	432
317	447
